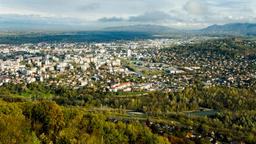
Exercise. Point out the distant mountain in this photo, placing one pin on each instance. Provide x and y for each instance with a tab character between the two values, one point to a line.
232	29
27	24
143	28
227	29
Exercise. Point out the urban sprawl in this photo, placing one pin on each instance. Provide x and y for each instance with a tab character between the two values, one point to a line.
142	65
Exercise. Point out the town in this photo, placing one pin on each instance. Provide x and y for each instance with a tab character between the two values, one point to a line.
127	72
142	65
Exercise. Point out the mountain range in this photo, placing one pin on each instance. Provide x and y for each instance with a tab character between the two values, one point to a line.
131	32
232	29
37	24
227	29
144	28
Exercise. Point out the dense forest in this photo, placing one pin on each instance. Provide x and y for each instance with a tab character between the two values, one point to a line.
47	122
37	113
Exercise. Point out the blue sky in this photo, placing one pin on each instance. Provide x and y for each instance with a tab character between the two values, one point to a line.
184	14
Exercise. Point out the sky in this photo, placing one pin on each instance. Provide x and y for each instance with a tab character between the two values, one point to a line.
183	14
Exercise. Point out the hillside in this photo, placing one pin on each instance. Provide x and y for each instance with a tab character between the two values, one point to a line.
233	28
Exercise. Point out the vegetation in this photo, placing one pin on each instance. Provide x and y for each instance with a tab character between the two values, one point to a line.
47	122
37	113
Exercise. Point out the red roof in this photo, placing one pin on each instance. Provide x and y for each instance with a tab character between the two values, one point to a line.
121	85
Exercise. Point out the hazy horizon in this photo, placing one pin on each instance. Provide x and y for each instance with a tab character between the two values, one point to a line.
96	14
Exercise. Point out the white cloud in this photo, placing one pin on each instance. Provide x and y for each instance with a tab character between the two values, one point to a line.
196	7
153	16
166	12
